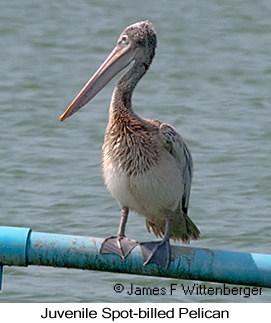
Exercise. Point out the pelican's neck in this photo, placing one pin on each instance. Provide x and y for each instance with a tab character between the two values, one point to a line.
122	95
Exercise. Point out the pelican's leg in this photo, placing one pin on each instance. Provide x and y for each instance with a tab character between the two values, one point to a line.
158	252
119	245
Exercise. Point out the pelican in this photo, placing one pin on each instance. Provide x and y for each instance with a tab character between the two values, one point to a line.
146	164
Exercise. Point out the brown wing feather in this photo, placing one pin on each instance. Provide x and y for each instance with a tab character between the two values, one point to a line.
182	227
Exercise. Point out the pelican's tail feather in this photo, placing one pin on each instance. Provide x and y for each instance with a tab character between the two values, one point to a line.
182	228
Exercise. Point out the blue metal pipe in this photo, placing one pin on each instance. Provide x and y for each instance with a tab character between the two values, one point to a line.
13	242
1	274
22	247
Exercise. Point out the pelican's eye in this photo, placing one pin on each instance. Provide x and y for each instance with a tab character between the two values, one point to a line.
123	41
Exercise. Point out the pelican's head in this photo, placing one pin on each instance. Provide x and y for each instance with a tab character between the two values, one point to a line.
142	38
136	43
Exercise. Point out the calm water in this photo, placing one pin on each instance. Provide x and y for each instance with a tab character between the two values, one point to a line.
210	78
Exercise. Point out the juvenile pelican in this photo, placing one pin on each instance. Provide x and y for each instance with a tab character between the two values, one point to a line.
146	165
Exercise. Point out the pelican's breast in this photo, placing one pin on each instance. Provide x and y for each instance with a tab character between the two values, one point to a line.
148	181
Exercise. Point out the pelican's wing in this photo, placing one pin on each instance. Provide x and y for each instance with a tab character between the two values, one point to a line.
177	147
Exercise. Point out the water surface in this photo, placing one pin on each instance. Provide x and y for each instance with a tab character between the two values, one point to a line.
210	79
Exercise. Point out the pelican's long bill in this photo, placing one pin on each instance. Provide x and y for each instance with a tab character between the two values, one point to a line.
119	58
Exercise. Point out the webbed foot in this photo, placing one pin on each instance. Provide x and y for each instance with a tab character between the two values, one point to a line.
156	252
118	245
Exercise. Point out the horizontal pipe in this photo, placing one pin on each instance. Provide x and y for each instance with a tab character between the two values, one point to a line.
13	242
58	250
